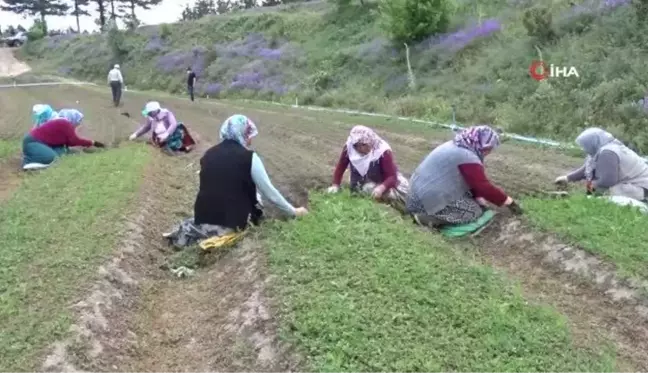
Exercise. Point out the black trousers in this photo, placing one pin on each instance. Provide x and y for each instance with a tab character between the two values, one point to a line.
190	88
116	88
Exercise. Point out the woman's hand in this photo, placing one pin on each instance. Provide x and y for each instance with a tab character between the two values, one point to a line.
481	201
513	206
301	211
132	137
98	144
333	189
561	180
378	192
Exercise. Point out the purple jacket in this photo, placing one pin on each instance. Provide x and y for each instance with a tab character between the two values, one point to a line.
168	120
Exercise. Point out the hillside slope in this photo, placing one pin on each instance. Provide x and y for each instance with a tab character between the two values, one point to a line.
322	56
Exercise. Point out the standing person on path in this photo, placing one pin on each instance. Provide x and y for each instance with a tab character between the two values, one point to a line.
191	82
450	187
116	82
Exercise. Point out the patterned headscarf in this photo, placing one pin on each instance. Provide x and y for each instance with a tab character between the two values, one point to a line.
72	115
478	139
238	128
365	135
592	140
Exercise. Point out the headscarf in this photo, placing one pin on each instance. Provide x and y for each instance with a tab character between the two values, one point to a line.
365	135
238	128
72	115
41	113
151	107
592	140
478	139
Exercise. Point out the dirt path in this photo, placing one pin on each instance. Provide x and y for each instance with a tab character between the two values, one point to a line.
9	65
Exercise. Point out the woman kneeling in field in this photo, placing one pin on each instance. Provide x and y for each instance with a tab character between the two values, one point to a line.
167	132
450	186
227	200
373	169
610	165
42	145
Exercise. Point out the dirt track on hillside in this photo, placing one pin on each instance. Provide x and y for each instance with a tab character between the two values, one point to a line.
9	65
221	319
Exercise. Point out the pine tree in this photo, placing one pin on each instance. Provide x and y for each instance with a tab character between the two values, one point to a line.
129	6
101	9
270	2
78	11
41	8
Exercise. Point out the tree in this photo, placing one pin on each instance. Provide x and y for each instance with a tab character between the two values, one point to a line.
270	2
129	6
11	31
202	8
78	11
223	6
41	8
101	9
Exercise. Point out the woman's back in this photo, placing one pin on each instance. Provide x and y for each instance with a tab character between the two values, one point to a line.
227	194
436	182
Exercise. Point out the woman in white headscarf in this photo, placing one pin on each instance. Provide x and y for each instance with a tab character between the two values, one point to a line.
610	166
373	169
167	132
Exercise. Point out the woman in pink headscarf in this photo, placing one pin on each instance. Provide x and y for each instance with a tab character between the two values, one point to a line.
373	169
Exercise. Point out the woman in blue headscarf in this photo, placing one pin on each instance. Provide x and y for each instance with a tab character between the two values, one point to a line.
230	175
41	113
43	144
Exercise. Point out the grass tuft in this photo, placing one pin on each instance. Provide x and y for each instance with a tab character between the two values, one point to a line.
55	231
362	289
615	232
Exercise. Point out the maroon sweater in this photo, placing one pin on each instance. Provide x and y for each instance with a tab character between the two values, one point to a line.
59	132
387	170
475	176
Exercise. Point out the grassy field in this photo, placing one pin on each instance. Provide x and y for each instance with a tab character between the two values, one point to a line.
612	232
58	227
358	288
318	55
355	299
8	148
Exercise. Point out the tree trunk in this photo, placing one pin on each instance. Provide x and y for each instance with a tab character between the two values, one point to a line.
76	13
132	6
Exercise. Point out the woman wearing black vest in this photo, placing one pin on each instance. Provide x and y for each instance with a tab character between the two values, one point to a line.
230	175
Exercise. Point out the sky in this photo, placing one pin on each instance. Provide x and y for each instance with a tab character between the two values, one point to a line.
168	11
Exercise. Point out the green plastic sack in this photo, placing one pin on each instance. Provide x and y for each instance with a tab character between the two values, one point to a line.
461	230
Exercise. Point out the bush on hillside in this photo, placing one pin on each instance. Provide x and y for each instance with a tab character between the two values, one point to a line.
407	21
37	31
538	22
641	8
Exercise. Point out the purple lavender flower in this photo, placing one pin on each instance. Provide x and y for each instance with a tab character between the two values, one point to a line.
154	44
458	40
212	89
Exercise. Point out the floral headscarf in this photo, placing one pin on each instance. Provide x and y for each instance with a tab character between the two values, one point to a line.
238	128
478	139
72	115
365	135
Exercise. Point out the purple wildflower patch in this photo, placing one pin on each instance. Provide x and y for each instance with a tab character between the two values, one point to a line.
180	60
456	41
594	7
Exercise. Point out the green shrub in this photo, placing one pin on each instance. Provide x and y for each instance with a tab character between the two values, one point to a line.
407	21
538	22
37	31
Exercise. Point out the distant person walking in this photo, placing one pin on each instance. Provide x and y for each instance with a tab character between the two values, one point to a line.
116	82
191	82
